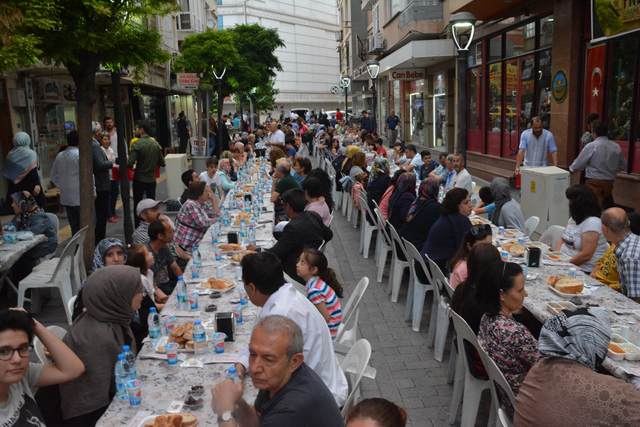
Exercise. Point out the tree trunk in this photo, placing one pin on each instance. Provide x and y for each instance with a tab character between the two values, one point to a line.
83	75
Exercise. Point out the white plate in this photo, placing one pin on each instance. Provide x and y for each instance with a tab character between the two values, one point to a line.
561	257
542	246
513	234
144	420
584	293
199	286
162	341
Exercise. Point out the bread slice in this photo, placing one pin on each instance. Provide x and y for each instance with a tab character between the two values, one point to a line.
552	280
569	285
516	249
220	284
182	419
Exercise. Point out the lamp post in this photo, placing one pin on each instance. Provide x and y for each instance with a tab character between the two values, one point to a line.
345	82
462	25
218	149
373	68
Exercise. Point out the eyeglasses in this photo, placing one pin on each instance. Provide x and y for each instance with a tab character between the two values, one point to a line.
477	229
6	353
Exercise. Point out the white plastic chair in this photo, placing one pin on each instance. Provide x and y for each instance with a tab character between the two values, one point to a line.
473	187
397	266
497	380
72	302
505	419
54	221
366	229
530	225
349	201
385	245
60	277
79	273
439	283
353	216
299	286
551	236
471	385
420	289
345	202
38	347
357	359
348	330
475	198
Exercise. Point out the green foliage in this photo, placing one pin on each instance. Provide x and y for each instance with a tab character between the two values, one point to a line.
609	22
263	97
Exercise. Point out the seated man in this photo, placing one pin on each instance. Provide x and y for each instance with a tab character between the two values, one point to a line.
428	165
161	235
265	286
306	229
291	393
462	178
187	178
282	180
616	229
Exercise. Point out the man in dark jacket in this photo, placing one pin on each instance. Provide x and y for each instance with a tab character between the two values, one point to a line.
305	230
101	167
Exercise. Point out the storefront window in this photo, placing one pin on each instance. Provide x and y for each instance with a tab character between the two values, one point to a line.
495	97
521	40
527	92
475	55
439	110
546	32
475	113
544	84
495	48
621	84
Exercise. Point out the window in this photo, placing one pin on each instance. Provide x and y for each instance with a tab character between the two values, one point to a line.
220	27
544	85
495	98
395	6
622	76
546	31
495	48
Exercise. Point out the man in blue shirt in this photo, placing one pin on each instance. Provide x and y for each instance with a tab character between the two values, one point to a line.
428	164
391	127
367	122
535	145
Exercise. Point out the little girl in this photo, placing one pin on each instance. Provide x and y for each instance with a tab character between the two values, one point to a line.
323	288
140	257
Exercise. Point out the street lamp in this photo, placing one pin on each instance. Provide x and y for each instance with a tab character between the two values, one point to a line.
218	149
344	84
373	68
462	26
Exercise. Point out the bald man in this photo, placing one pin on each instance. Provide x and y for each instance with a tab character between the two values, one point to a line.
616	229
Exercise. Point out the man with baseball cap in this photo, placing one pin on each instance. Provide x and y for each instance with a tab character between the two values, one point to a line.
148	210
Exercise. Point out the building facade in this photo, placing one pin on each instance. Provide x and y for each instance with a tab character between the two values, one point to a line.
309	60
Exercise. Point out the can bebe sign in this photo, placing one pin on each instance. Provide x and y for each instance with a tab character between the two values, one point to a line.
408	74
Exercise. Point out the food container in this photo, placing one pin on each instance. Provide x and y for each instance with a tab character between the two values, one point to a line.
169	323
557	256
134	390
557	306
218	342
172	353
615	352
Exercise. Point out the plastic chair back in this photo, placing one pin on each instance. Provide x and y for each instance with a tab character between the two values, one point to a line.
396	239
498	381
505	419
357	358
552	235
382	226
530	225
38	347
299	286
350	310
54	221
72	302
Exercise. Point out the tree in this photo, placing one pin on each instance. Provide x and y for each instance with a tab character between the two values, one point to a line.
87	33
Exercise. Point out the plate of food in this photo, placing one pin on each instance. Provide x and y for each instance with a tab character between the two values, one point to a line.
620	348
540	245
513	247
242	215
556	307
237	257
557	256
478	221
182	419
181	335
230	247
567	286
222	285
513	234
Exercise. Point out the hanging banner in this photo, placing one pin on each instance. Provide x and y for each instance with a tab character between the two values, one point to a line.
611	18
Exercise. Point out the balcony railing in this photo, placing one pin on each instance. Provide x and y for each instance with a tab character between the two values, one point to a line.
421	11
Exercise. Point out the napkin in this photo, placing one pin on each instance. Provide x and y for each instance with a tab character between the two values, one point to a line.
221	358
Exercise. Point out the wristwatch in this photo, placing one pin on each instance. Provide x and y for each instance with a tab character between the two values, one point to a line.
226	416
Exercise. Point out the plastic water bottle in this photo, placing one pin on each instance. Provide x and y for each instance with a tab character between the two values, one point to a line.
6	237
181	289
122	376
243	232
155	330
196	258
256	210
218	228
199	344
441	192
13	232
233	375
131	360
251	234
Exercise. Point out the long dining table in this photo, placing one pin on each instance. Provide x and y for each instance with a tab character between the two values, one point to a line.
164	386
595	294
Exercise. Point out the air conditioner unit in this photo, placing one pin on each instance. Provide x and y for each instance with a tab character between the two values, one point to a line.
376	43
339	36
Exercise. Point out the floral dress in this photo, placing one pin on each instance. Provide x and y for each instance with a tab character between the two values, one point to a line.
511	345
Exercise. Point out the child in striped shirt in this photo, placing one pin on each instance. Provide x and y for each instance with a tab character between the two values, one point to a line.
323	288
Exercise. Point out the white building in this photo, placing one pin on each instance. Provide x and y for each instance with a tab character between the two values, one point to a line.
309	60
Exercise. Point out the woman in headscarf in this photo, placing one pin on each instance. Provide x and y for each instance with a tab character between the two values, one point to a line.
379	181
424	212
401	200
20	168
347	163
224	172
573	344
507	213
30	217
111	296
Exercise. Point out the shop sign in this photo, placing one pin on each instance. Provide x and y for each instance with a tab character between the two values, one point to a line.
407	74
560	86
613	18
188	80
439	87
361	70
52	90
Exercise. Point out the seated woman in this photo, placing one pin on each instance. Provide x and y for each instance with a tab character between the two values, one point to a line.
111	296
573	344
376	412
224	173
347	163
276	154
424	212
458	265
20	376
323	288
30	217
327	187
21	170
582	239
379	182
446	234
401	200
193	220
509	343
301	167
358	167
313	193
507	213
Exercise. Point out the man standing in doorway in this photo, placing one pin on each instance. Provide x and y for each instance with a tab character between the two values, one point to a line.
391	127
534	145
184	132
147	153
101	167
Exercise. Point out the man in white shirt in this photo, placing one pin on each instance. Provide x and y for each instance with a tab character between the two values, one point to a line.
276	137
535	145
65	175
462	178
113	134
264	282
416	161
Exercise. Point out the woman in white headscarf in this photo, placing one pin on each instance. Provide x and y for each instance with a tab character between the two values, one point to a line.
20	169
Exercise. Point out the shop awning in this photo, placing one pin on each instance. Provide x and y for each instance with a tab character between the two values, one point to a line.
488	10
419	54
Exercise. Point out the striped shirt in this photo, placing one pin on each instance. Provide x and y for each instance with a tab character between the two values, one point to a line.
628	254
319	292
